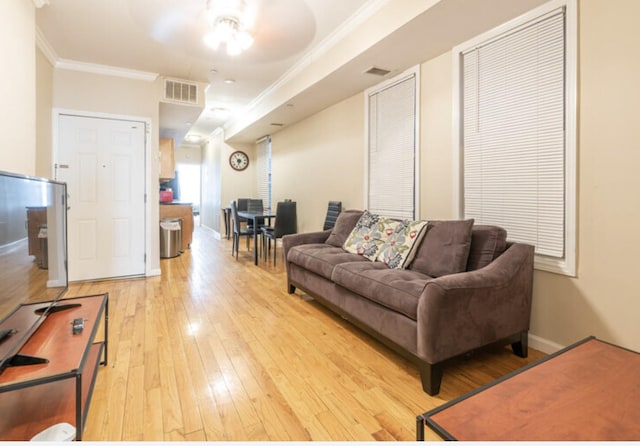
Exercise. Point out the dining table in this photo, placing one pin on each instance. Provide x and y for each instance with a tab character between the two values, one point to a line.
255	218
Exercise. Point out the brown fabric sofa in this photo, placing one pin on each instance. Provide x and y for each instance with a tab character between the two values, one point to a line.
466	288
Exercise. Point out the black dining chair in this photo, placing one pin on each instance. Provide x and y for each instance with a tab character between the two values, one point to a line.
286	223
242	205
237	230
254	205
333	210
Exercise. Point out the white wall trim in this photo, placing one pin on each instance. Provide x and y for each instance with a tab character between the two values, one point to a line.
148	156
66	64
46	47
544	345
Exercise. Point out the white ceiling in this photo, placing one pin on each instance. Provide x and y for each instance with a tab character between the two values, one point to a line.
164	37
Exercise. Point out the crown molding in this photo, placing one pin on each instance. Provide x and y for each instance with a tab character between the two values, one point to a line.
73	65
45	47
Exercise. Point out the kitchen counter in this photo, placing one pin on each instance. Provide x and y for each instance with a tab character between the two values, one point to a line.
178	209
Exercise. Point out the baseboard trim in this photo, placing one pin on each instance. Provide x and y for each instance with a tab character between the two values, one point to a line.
543	345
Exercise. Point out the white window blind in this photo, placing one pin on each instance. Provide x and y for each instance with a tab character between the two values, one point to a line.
391	179
513	107
263	171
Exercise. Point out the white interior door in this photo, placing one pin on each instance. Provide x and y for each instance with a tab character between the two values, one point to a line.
102	162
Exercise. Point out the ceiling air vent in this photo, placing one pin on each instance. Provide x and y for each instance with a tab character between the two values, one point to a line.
378	71
180	91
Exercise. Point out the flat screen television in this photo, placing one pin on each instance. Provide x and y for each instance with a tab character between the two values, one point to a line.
33	255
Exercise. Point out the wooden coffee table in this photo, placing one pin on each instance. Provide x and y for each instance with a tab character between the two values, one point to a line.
587	391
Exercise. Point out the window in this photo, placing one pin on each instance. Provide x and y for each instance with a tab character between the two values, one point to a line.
263	171
392	155
517	132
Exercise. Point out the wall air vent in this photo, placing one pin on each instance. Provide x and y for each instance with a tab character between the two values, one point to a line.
180	91
378	71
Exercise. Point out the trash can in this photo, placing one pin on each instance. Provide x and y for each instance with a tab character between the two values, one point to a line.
170	237
44	247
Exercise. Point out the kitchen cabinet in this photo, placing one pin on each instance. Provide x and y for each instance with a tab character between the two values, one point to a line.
167	159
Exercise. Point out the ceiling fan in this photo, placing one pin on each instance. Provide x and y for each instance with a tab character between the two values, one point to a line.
263	30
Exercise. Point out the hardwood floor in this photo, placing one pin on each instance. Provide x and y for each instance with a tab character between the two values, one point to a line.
215	349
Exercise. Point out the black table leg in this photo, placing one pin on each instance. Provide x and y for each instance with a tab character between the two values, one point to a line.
419	428
255	241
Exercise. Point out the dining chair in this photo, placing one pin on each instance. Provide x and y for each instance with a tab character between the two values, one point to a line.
237	230
242	205
333	210
254	205
286	223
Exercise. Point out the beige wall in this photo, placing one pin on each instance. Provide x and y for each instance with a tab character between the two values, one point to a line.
220	183
44	105
603	300
18	79
321	159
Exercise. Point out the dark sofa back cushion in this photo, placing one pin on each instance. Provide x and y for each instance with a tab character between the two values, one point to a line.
445	248
487	243
344	225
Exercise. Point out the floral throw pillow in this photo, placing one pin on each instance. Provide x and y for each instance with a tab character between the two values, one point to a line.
401	246
369	234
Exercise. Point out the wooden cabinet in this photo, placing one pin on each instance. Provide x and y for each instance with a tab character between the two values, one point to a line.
35	397
167	159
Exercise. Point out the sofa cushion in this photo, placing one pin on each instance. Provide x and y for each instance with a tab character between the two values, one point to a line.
398	290
487	243
445	248
344	225
369	234
401	246
320	258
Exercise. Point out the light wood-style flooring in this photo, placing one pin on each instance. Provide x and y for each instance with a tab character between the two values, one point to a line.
215	349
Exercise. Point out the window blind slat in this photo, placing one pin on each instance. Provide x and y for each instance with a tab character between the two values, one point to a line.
391	176
263	171
513	134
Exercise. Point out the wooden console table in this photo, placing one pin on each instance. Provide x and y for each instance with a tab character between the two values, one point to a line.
589	391
34	397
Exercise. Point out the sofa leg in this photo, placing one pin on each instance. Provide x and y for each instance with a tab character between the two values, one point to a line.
521	347
431	376
292	288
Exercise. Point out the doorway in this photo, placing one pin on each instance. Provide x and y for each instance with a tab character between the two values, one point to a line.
102	160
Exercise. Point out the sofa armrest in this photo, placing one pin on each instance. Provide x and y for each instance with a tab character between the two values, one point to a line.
460	312
291	240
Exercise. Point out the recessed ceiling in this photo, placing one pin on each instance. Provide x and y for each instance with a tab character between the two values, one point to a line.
165	37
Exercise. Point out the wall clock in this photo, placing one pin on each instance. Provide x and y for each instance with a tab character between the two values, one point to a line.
238	160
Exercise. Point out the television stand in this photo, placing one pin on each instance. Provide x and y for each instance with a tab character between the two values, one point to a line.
19	360
59	389
55	308
5	333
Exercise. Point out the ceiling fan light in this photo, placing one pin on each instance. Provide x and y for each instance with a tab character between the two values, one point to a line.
244	39
211	39
233	47
225	28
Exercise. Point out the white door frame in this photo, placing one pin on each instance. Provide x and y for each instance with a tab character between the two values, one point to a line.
57	112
